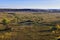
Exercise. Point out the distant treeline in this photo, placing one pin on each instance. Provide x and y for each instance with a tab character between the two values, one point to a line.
31	10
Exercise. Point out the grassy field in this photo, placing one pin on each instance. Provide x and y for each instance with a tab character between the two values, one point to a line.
30	26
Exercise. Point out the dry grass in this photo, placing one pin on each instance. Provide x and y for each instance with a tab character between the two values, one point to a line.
35	31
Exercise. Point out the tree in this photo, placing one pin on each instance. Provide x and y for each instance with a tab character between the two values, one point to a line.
5	21
6	26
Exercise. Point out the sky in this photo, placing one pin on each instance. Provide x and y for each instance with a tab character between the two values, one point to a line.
34	4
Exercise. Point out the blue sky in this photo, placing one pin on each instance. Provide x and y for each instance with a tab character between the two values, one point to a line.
35	4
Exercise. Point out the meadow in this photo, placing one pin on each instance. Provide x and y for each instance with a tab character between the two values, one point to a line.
29	26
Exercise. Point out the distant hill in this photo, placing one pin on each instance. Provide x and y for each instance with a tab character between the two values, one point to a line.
30	10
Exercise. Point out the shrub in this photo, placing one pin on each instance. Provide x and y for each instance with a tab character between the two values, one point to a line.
5	21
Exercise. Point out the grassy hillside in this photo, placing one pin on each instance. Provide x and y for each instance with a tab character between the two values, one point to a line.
29	26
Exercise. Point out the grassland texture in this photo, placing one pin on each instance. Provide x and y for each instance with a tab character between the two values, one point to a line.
29	26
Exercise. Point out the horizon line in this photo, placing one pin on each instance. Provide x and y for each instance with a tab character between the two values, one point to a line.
29	8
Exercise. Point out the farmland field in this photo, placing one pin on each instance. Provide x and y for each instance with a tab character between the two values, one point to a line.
29	26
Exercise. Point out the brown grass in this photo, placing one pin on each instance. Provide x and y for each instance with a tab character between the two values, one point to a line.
34	31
